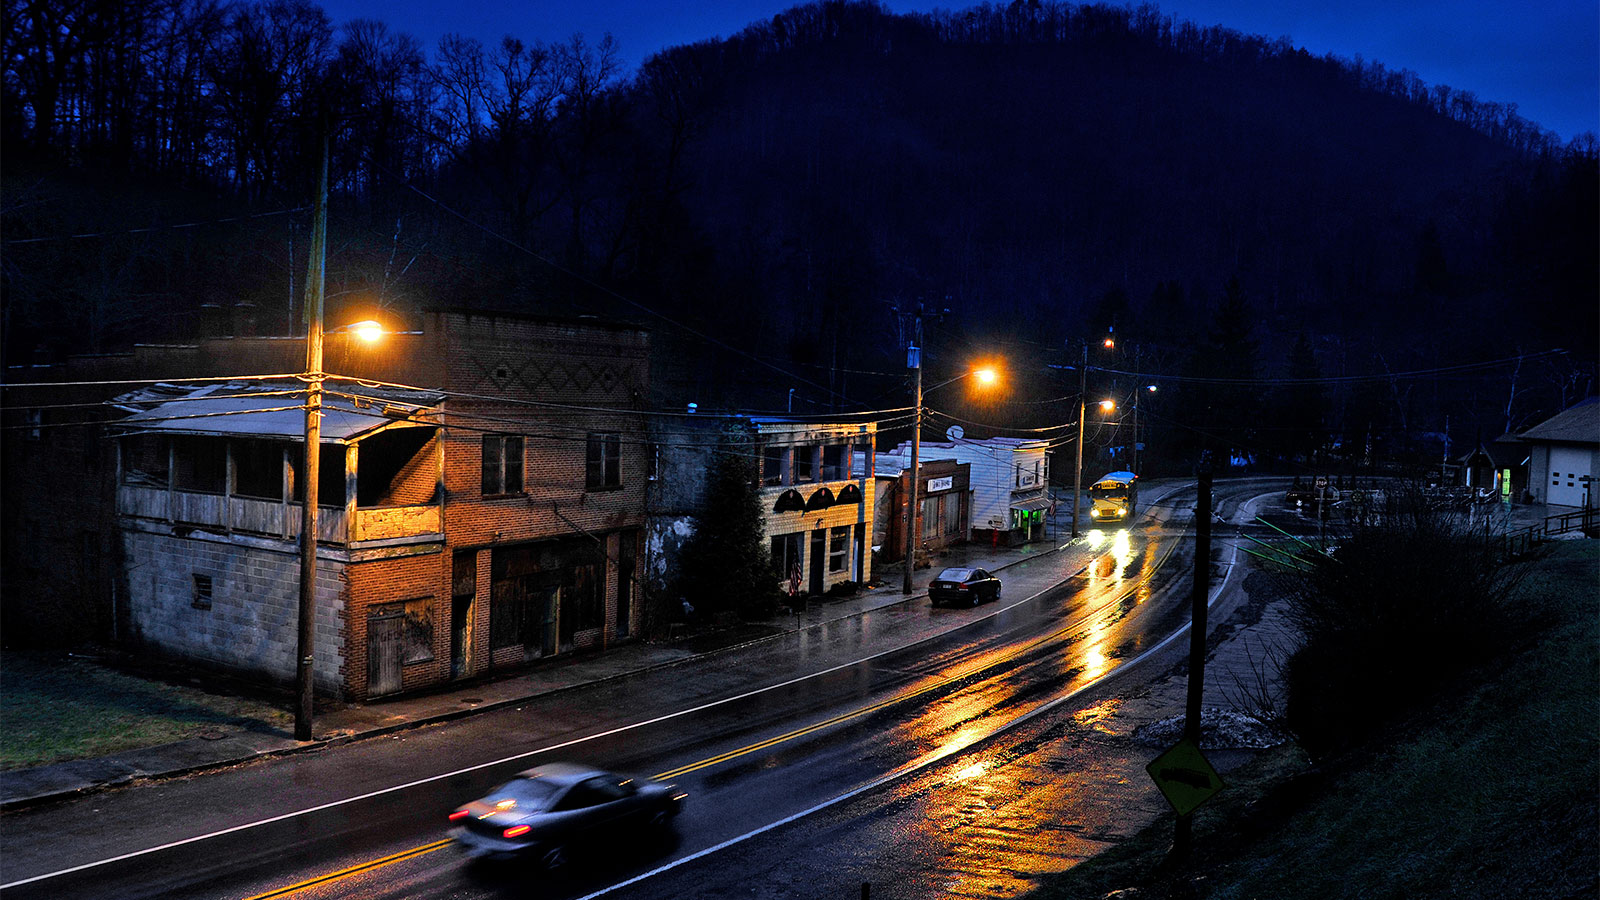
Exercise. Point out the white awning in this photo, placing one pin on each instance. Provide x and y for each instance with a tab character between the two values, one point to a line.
1031	504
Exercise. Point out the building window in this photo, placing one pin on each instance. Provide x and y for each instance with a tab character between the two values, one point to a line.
772	465
419	630
603	469
951	513
258	469
144	461
201	598
786	550
502	464
839	549
201	464
835	462
805	470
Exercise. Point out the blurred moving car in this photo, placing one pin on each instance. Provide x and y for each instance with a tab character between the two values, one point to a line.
963	587
543	811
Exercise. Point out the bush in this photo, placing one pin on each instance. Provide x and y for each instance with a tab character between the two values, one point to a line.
1411	599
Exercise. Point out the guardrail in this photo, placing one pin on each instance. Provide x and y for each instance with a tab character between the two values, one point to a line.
1522	541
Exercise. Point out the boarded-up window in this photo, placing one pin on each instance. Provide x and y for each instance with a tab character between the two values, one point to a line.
588	581
419	630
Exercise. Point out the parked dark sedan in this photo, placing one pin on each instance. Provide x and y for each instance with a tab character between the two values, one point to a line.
545	810
963	587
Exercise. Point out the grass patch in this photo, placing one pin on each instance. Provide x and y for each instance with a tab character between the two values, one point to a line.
55	708
1491	793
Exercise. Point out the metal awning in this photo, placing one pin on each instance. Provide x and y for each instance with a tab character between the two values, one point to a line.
1032	504
273	411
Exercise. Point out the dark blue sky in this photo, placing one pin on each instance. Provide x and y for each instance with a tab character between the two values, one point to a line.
1543	55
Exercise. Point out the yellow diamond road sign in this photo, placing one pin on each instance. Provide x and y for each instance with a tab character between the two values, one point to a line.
1184	776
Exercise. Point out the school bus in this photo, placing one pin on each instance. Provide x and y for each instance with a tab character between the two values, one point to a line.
1112	498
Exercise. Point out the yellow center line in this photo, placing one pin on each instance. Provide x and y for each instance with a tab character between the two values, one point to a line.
356	869
937	683
931	686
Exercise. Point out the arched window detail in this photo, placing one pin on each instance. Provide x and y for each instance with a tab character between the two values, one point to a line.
848	494
789	501
822	499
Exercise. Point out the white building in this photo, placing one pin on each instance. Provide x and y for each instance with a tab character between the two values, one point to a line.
1009	483
1564	454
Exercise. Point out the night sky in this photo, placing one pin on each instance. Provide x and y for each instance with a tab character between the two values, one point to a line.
1544	55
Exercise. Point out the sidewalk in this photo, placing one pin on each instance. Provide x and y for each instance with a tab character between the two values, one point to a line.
25	787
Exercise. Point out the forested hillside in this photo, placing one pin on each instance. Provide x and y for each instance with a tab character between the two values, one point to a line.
1233	205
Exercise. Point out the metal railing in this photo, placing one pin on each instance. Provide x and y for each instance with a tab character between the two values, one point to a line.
1522	541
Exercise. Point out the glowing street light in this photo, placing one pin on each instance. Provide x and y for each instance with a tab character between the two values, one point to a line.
985	376
1107	405
367	330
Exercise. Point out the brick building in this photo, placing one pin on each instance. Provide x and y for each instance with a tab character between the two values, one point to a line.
489	519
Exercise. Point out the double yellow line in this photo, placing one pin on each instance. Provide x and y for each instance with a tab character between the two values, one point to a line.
356	869
757	746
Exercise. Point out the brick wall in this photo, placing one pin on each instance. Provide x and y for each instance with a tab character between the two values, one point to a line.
409	574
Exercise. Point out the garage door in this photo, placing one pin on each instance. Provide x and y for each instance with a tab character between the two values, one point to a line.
1569	466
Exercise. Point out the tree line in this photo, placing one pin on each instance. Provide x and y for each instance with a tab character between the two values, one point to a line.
1043	170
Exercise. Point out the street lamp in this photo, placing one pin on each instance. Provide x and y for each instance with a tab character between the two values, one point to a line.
984	375
368	330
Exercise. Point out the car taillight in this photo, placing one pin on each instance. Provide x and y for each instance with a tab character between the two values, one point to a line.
516	831
458	815
962	586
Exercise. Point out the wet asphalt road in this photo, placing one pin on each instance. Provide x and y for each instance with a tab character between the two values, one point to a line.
934	805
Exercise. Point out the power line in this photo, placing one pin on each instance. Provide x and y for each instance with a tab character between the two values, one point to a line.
153	228
1461	368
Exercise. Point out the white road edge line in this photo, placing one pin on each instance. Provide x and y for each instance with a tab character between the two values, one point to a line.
498	762
923	764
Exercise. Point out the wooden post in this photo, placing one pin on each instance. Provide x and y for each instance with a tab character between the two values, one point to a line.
1183	836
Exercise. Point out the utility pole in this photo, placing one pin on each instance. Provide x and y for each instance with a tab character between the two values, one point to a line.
1197	641
1077	472
913	362
1137	388
305	657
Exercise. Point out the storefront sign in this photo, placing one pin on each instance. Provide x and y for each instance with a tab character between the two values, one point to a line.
941	484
